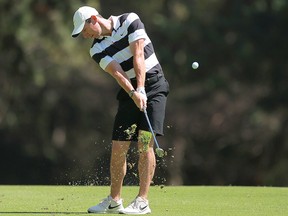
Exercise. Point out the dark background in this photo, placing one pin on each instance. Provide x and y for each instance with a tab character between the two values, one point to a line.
226	123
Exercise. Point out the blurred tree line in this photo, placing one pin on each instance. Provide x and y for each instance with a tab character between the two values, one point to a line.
226	123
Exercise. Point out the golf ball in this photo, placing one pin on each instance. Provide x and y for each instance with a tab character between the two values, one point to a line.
195	65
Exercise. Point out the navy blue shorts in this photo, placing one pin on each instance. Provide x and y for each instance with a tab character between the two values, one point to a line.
128	114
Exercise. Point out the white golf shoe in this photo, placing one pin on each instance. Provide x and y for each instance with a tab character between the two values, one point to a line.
138	206
107	206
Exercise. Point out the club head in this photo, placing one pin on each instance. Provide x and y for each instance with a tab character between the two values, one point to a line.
160	152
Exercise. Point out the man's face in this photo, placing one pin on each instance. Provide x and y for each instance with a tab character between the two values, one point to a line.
91	29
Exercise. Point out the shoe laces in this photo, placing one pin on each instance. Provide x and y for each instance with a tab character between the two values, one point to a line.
136	203
105	202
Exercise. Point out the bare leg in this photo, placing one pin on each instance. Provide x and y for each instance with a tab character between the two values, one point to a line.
146	167
118	167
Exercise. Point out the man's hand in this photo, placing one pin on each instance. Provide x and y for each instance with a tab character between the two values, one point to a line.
142	91
140	98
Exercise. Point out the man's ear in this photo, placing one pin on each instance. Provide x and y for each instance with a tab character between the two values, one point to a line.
94	19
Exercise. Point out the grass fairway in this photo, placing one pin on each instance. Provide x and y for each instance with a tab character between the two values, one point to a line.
200	201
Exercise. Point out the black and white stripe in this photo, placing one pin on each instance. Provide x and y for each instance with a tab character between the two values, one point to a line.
127	28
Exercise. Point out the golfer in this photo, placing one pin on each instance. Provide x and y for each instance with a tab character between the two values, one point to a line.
123	49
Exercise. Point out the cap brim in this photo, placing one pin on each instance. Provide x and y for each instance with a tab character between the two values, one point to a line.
77	30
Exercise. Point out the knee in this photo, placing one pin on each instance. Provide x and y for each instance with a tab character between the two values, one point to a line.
119	148
146	152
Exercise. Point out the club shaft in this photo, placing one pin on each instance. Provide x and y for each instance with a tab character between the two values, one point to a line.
151	129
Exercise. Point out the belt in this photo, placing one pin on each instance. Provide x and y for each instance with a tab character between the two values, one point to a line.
153	79
150	80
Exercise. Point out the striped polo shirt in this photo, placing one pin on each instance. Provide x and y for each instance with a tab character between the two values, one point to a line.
126	29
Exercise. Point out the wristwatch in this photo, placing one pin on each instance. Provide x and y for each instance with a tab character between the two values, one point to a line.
131	93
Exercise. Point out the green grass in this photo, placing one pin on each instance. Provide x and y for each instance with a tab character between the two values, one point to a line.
200	201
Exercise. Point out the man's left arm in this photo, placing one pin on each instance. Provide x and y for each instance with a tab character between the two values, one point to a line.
137	49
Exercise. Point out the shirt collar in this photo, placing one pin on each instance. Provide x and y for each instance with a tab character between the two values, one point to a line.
115	24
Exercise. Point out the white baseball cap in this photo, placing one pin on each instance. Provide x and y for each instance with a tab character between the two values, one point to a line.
79	18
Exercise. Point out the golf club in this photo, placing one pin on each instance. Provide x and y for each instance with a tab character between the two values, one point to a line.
160	152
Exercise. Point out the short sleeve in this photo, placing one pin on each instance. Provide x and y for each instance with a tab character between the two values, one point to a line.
136	29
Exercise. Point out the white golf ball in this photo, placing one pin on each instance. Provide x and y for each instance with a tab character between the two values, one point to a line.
195	65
